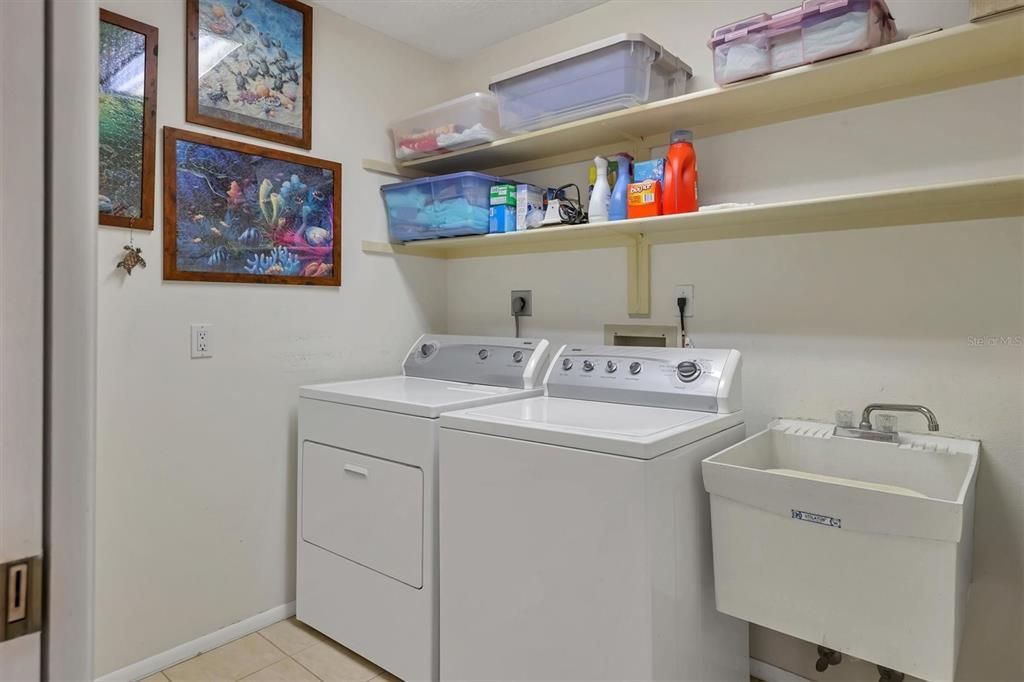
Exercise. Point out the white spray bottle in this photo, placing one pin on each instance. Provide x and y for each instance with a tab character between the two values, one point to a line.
598	209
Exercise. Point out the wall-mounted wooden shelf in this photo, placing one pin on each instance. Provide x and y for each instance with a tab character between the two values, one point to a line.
998	197
964	55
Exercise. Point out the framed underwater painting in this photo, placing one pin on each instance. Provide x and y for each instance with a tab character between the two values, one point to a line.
127	118
236	212
248	68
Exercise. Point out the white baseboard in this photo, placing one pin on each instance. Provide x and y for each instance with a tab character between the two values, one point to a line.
182	652
770	673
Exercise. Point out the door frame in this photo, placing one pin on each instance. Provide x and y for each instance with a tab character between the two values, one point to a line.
70	421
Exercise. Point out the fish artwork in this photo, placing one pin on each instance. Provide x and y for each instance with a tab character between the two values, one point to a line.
251	217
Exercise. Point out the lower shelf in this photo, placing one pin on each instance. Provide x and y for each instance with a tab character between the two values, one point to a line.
998	197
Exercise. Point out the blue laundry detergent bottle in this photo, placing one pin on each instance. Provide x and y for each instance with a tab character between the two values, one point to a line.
617	205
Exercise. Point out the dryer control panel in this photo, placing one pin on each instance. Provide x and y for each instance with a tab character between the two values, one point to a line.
706	380
490	360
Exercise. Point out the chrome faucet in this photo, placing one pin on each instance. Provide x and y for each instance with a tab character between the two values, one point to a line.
865	418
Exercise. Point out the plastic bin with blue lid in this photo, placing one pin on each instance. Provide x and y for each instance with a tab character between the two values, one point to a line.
451	205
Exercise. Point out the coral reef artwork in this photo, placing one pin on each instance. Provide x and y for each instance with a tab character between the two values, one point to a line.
125	153
250	66
244	213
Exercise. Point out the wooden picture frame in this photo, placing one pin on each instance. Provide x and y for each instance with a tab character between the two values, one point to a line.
111	145
237	212
259	82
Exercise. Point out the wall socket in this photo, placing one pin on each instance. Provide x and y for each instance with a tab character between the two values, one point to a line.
526	295
683	290
202	340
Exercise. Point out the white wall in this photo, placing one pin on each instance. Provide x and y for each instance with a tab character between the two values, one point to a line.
196	458
825	321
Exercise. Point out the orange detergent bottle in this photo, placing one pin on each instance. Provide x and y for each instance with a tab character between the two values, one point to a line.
679	193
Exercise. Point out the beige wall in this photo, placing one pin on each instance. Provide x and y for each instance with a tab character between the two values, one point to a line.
196	458
826	321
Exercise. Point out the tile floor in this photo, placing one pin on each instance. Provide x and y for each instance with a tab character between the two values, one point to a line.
287	651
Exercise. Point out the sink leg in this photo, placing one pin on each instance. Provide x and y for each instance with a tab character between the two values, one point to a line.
827	657
889	675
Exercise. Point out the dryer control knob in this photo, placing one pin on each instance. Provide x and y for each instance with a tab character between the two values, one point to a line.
610	367
687	371
517	356
566	364
635	367
483	354
588	366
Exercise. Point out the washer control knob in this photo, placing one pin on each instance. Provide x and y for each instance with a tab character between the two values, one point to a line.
635	367
517	356
588	366
566	364
427	349
610	367
483	353
688	371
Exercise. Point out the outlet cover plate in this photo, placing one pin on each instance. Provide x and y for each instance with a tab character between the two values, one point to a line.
687	291
202	340
527	294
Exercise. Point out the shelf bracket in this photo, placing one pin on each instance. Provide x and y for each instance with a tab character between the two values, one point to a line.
638	277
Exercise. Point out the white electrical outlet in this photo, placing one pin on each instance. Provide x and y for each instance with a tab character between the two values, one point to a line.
202	341
683	290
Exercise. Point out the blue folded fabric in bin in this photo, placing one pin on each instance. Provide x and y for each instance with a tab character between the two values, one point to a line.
453	213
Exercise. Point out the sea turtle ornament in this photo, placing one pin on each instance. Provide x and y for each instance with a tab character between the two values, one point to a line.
132	258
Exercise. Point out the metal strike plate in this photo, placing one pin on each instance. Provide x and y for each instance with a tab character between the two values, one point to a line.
21	597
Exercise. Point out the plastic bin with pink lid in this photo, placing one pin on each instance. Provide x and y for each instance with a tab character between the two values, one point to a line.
458	123
815	30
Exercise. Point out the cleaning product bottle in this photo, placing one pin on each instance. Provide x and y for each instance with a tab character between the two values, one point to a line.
618	204
599	198
679	192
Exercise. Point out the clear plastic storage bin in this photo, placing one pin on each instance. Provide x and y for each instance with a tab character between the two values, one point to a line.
741	50
835	27
816	30
610	74
462	122
442	206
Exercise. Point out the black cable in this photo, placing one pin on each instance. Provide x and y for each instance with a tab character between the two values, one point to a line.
681	302
570	210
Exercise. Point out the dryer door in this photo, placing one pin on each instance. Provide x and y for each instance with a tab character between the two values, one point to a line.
366	509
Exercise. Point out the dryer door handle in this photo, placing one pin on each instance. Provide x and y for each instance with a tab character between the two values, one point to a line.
359	471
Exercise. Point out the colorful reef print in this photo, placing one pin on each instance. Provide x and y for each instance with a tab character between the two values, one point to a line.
247	214
250	64
122	91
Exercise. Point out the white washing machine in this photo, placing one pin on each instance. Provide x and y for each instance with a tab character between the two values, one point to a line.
367	493
575	534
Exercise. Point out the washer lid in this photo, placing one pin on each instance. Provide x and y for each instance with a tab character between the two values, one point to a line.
412	395
628	430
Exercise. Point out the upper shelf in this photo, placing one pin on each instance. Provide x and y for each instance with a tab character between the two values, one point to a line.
997	197
973	53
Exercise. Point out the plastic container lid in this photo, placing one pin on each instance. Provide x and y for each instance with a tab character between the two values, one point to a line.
441	178
660	53
480	97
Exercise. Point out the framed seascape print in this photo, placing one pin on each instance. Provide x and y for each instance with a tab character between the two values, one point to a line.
127	116
236	212
249	68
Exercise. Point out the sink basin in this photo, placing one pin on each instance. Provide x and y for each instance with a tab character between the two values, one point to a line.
861	546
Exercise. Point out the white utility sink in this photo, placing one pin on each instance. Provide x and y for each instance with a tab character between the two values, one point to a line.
860	546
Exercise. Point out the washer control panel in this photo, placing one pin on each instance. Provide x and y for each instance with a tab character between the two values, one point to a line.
494	361
707	380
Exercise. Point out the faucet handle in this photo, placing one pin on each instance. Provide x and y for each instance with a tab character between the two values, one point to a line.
886	423
844	418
